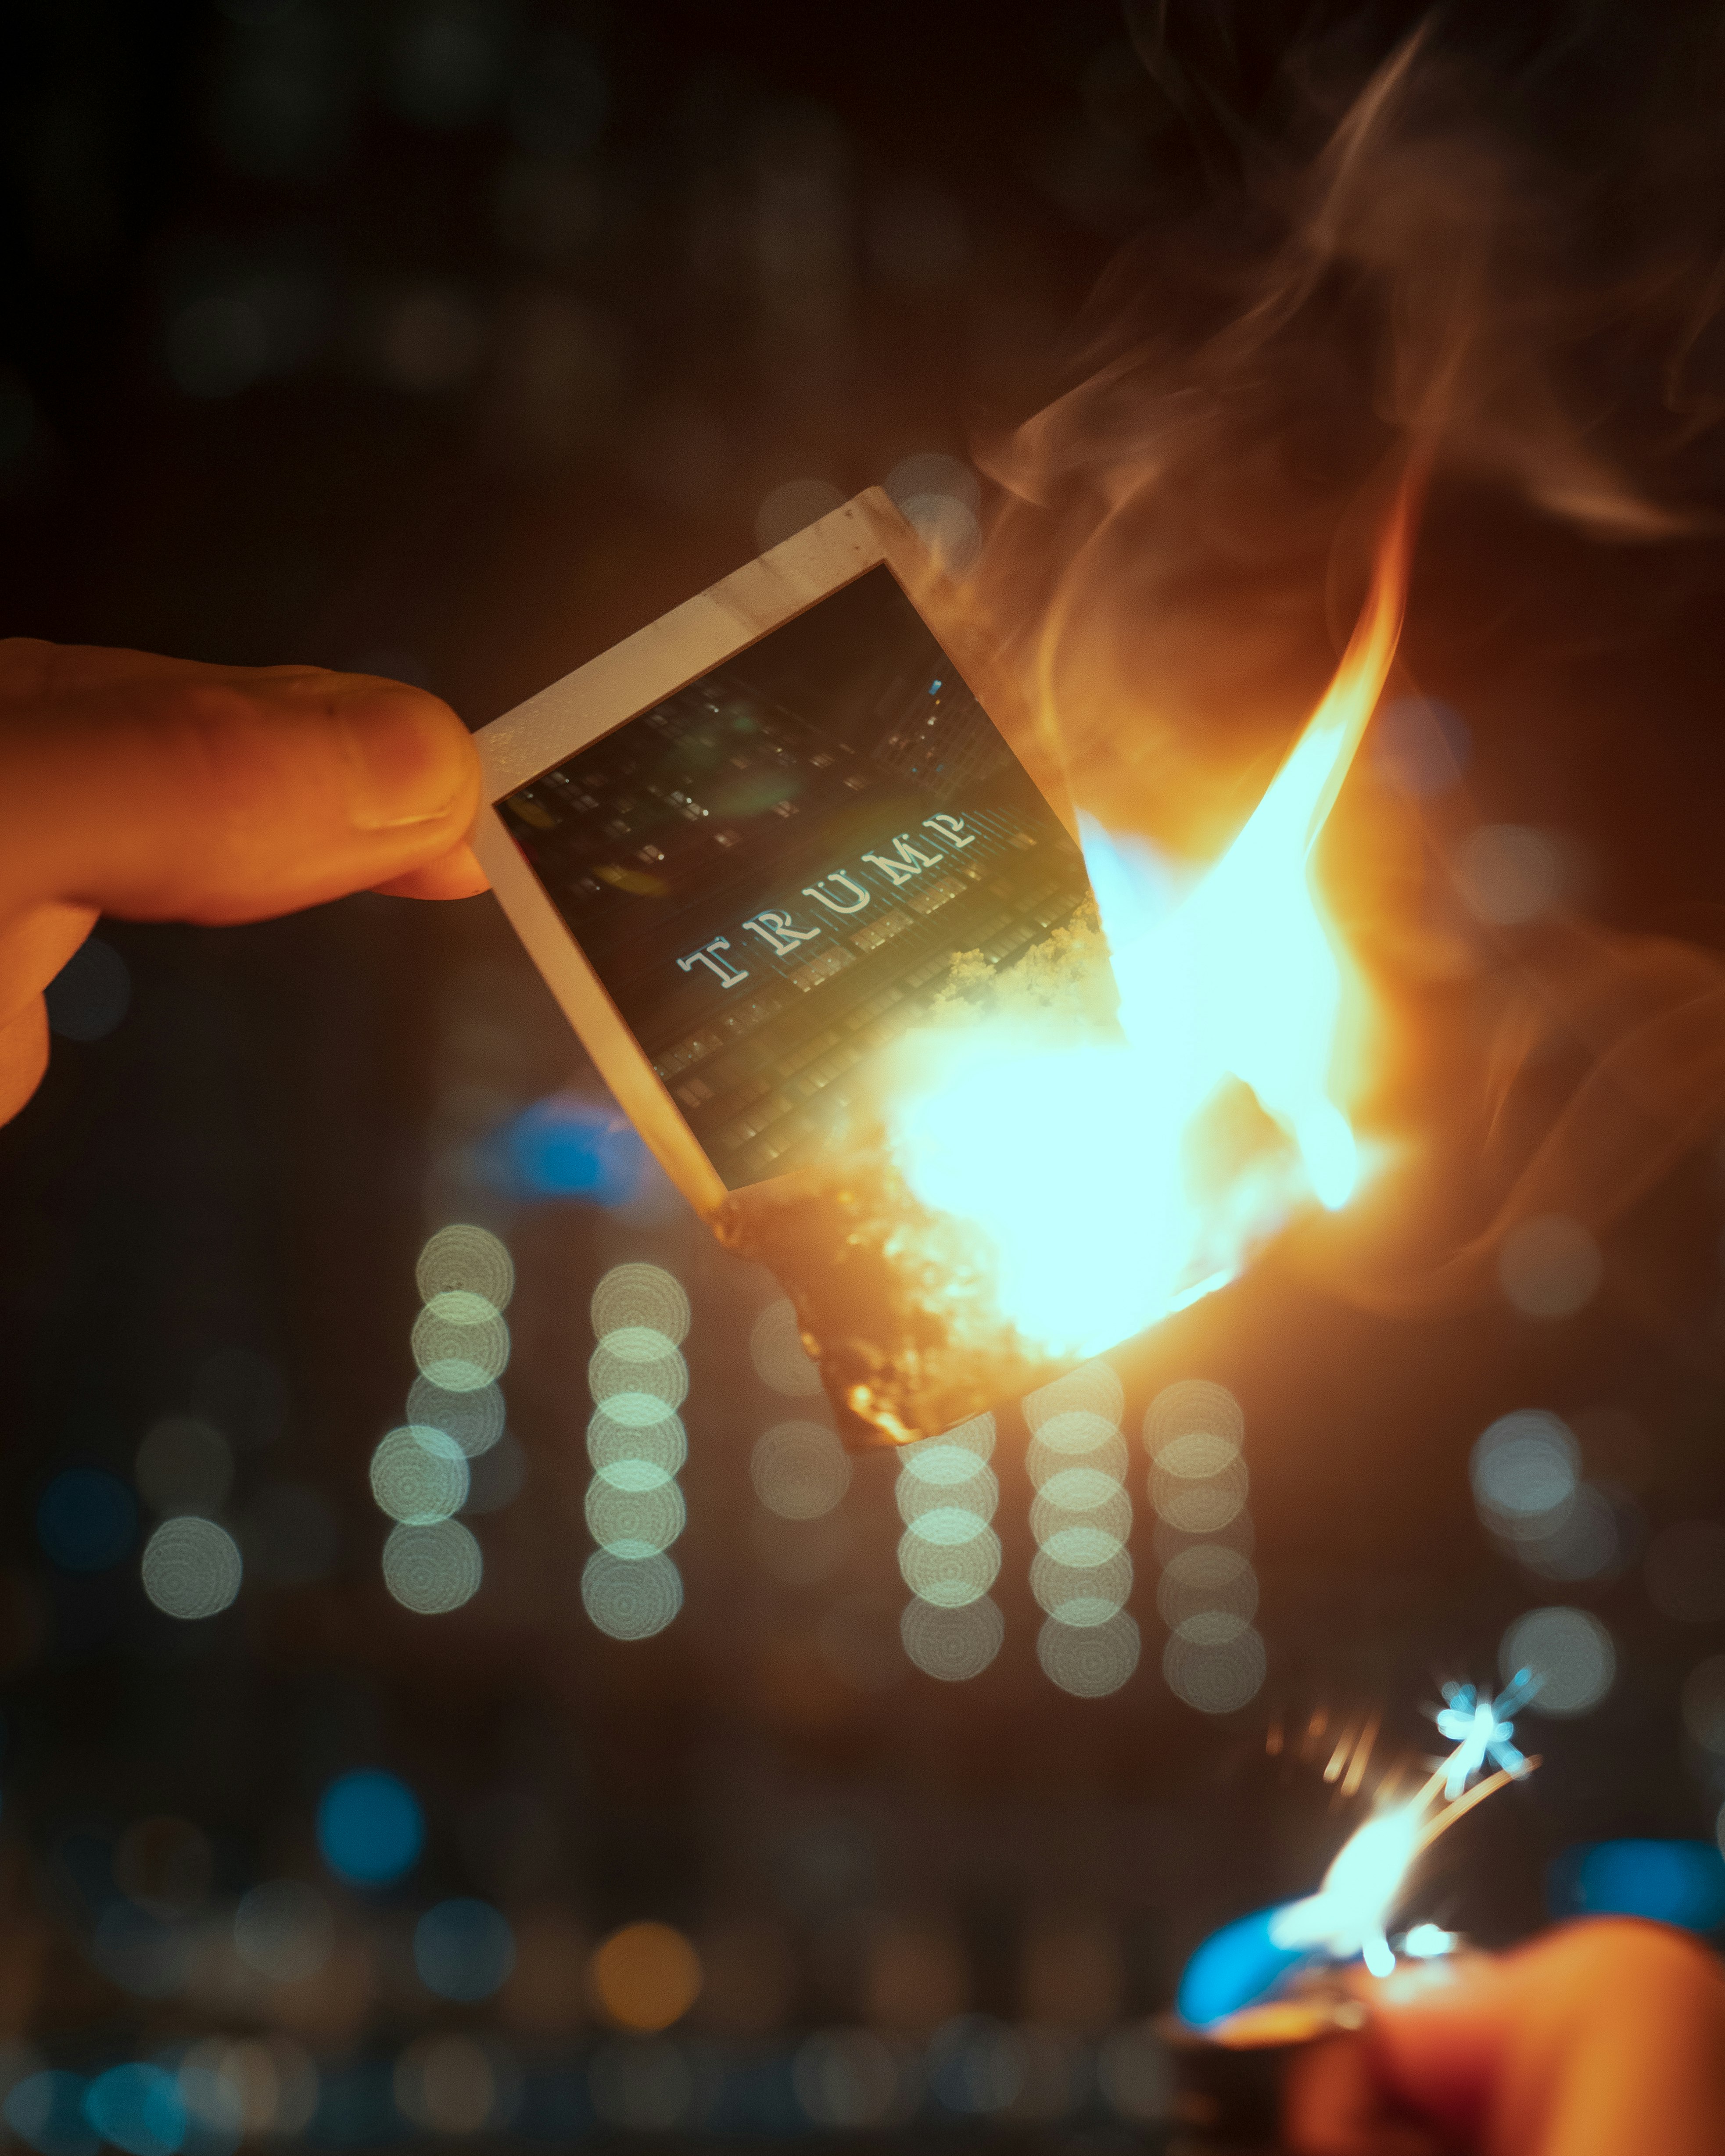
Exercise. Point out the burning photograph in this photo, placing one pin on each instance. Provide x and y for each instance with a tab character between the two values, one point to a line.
1117	1543
774	871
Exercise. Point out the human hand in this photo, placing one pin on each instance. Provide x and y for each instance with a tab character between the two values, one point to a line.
159	789
1600	2039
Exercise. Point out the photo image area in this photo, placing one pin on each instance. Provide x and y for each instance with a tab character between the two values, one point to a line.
772	871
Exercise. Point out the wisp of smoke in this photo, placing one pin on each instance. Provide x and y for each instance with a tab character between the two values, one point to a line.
1452	278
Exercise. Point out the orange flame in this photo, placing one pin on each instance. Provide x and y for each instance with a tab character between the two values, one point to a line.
1115	1181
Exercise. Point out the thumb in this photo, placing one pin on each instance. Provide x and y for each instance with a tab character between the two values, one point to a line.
158	789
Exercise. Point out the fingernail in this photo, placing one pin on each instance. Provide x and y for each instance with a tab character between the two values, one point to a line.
405	763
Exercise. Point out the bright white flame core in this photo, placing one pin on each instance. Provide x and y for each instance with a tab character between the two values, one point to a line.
1350	1912
1082	1164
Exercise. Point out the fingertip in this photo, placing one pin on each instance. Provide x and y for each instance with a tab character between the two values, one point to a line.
24	1056
455	874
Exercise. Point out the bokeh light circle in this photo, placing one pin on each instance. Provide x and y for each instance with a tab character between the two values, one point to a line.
659	1447
192	1567
800	1470
630	1598
432	1569
952	1457
1201	1504
137	2108
418	1475
948	1526
634	1523
638	1294
1549	1267
1216	1677
950	1575
463	1949
1509	873
459	1342
1194	1408
645	1977
474	1418
1568	1650
952	1645
370	1828
1205	1578
1524	1466
779	1356
463	1257
1108	1512
1082	1549
1055	1584
1092	1390
620	1379
1057	1446
1089	1661
1581	1540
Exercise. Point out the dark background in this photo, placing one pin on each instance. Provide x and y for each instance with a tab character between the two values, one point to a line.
456	342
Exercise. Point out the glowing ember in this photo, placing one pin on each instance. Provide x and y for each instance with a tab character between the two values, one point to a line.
1115	1181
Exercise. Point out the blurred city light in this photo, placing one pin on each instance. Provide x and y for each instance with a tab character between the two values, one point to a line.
1668	1882
137	2108
852	2079
1213	1658
634	1508
645	1977
451	2084
1549	1267
86	1519
568	1147
1508	874
418	1475
949	1556
434	1568
780	1358
460	1342
46	2110
1569	1652
630	1598
799	1469
474	1419
463	1949
370	1828
952	1644
192	1567
1082	1519
643	1295
463	1259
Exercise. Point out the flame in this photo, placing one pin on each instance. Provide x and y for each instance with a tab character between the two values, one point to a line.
1116	1180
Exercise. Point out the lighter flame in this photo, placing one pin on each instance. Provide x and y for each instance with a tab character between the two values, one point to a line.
1110	1179
1350	1912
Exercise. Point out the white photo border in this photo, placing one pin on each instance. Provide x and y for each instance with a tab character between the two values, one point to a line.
619	685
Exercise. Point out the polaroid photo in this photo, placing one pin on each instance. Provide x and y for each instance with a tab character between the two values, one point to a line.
744	846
